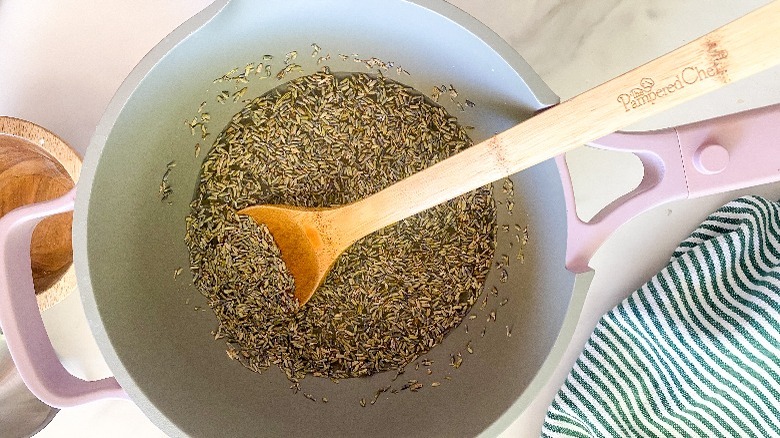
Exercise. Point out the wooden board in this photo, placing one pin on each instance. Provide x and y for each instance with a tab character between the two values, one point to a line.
36	165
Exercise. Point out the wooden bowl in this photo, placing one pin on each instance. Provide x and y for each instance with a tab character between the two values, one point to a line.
35	166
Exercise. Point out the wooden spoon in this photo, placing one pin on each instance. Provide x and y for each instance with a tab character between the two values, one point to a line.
311	240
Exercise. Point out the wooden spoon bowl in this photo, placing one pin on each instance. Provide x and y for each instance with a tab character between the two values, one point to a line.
35	166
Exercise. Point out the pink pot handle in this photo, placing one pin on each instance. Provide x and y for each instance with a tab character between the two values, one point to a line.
21	320
690	161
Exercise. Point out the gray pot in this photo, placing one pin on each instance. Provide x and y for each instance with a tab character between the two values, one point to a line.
127	244
159	348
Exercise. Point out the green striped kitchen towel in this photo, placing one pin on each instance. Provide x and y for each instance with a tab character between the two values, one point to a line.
695	352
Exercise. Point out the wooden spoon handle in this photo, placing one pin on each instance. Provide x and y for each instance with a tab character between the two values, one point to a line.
737	50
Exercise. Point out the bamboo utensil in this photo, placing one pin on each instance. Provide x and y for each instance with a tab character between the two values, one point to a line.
310	240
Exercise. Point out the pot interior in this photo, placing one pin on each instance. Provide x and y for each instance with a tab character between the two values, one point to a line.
155	327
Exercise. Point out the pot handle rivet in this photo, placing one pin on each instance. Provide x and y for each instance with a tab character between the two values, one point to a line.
711	159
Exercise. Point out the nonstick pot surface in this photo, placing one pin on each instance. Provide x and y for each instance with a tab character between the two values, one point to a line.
129	244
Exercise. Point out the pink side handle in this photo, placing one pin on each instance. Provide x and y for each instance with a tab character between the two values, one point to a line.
663	181
731	152
21	320
699	159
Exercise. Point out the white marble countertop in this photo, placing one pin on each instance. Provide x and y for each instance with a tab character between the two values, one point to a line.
61	61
